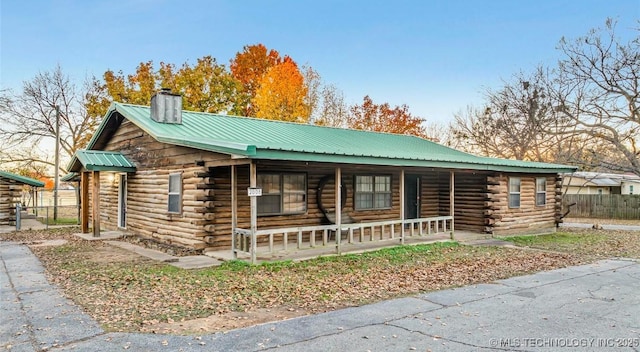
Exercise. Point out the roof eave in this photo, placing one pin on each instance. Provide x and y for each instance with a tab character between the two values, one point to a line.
245	150
110	168
346	159
22	179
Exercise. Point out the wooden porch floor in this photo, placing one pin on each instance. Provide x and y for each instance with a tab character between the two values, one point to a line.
346	248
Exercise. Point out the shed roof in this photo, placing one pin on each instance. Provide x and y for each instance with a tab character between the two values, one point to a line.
275	140
70	177
22	179
97	160
606	182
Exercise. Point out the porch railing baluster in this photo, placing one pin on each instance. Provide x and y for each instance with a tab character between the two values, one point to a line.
285	240
387	231
271	243
312	239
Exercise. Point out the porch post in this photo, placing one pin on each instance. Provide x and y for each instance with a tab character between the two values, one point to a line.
234	210
96	203
84	201
402	205
253	181
451	199
338	196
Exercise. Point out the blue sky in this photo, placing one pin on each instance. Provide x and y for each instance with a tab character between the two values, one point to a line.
434	56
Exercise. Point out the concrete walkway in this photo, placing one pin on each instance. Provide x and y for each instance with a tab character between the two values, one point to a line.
589	307
34	315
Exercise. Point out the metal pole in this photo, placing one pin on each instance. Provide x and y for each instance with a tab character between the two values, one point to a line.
57	167
18	217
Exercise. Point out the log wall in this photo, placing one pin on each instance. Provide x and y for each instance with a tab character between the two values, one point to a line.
147	189
10	194
470	195
528	218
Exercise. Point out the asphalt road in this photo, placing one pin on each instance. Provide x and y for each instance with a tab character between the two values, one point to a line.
585	308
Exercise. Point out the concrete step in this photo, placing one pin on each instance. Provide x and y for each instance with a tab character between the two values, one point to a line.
145	252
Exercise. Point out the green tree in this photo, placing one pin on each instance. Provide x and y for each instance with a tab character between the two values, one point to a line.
206	86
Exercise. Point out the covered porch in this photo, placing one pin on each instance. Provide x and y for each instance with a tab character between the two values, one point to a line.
407	219
87	165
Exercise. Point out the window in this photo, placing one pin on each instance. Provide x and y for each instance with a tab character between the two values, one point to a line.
514	192
175	193
282	194
372	192
541	191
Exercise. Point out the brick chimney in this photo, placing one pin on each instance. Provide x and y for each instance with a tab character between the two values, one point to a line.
166	107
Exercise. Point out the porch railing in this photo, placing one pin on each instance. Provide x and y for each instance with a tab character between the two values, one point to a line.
271	241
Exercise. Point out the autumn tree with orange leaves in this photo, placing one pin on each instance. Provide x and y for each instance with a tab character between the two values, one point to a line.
248	67
282	94
382	118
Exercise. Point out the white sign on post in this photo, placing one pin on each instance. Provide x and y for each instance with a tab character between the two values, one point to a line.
254	192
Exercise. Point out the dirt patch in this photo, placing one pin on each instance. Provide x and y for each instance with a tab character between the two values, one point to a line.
110	254
65	233
47	243
223	322
171	249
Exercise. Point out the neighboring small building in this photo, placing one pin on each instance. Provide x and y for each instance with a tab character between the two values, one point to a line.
11	188
213	181
630	186
583	182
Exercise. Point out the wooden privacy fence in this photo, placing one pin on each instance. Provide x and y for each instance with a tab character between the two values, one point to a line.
605	206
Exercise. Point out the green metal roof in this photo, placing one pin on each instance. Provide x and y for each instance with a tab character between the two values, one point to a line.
275	140
22	179
97	160
70	177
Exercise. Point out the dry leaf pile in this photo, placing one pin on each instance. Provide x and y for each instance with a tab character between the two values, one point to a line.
125	292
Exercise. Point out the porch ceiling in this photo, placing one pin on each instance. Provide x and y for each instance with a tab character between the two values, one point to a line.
94	160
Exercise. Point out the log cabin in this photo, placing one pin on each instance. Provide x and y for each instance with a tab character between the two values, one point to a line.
11	188
211	181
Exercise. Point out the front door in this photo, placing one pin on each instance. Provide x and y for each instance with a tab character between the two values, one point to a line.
122	201
411	196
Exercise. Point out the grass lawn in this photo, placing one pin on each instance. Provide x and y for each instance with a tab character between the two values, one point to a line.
126	292
59	221
587	243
